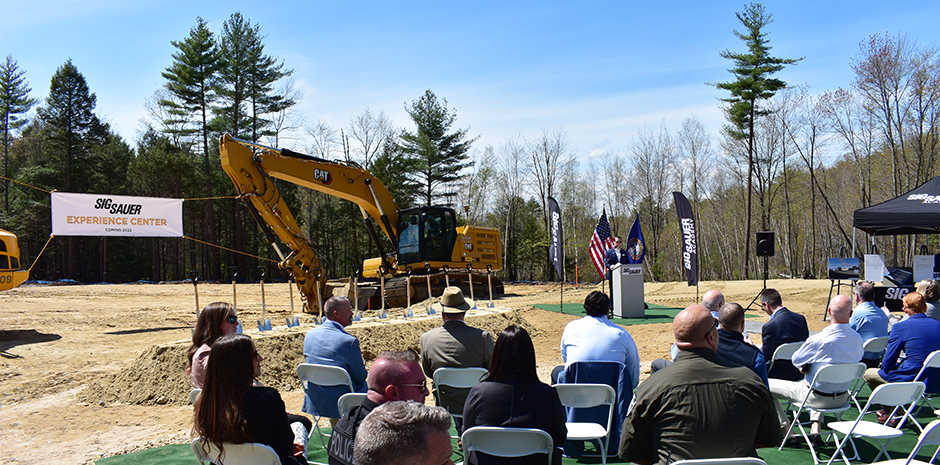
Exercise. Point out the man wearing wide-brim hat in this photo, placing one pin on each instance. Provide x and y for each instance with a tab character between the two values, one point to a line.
454	345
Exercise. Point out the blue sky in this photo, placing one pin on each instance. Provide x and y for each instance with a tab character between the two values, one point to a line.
600	70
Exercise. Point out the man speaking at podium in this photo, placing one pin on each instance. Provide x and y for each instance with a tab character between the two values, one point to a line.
614	256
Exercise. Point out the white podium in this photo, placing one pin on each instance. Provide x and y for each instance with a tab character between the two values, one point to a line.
627	292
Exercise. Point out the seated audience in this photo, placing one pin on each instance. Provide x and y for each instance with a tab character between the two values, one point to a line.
868	320
595	338
454	344
231	410
393	376
783	327
713	300
835	344
732	345
330	344
917	337
700	406
404	433
931	292
215	321
511	395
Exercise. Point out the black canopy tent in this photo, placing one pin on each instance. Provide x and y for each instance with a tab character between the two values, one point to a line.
916	212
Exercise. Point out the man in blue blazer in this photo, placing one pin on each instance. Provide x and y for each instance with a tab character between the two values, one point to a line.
783	327
614	256
330	344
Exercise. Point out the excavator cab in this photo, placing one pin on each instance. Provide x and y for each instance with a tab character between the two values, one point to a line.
10	273
426	234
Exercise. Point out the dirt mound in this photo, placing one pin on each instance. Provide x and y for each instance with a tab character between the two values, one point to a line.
157	377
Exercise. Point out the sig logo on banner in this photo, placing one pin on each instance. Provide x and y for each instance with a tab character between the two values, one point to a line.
323	176
118	208
115	215
896	293
890	297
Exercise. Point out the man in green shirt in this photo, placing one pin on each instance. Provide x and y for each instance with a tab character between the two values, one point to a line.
700	406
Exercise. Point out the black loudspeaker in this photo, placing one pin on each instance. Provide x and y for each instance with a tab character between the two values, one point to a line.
765	243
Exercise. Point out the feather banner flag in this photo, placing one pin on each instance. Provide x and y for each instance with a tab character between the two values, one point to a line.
689	239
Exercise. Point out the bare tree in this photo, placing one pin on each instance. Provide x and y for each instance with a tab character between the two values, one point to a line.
618	193
370	130
653	154
694	144
323	140
286	119
881	70
854	126
509	192
547	154
477	189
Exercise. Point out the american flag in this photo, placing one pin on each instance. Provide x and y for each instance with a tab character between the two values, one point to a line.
601	242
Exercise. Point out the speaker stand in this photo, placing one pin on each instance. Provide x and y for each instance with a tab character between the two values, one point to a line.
766	270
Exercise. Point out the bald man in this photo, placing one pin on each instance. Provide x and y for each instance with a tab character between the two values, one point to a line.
836	343
713	300
394	376
700	406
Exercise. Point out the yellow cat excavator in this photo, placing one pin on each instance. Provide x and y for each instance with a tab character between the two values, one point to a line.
10	273
428	242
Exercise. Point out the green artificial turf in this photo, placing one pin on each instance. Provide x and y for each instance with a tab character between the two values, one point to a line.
654	314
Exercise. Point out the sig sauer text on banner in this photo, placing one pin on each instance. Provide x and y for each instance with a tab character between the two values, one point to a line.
115	215
689	239
556	249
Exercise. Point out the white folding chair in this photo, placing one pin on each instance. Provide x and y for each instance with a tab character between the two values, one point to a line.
842	373
251	453
347	401
875	344
930	436
507	442
323	375
784	352
578	395
193	395
457	378
727	461
932	361
891	394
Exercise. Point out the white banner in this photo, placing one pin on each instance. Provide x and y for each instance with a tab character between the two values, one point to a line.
115	215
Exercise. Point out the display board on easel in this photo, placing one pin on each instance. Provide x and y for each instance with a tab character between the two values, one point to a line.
839	270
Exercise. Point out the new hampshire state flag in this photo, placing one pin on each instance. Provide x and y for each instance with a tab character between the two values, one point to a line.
636	245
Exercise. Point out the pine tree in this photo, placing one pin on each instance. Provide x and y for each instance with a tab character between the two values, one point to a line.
190	79
73	128
440	155
14	101
752	71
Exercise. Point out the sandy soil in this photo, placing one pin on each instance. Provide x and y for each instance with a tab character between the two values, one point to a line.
93	371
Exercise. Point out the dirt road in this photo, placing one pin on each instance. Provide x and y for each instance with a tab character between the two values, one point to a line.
57	340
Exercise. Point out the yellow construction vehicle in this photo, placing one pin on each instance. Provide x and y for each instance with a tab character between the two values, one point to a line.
431	250
10	273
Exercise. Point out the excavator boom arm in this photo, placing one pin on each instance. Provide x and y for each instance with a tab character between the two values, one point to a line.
343	180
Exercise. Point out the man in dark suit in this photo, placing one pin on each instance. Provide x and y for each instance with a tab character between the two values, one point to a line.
783	327
614	256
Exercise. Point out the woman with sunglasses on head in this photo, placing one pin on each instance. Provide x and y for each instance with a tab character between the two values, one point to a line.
511	395
233	410
215	321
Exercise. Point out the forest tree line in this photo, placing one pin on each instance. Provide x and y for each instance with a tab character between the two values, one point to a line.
813	160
